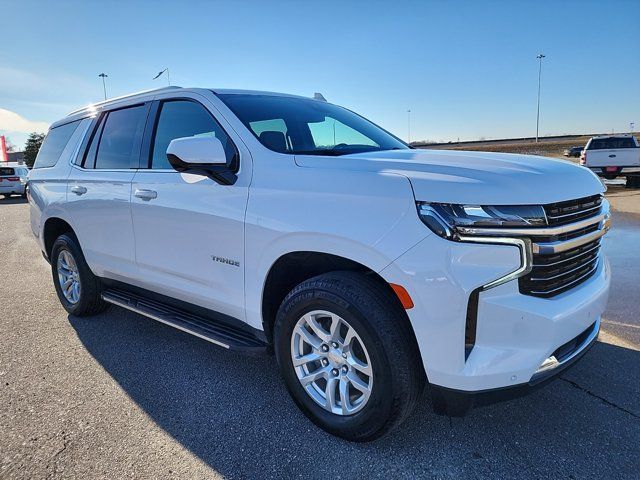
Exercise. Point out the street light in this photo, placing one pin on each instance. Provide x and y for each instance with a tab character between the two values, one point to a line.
161	72
409	125
539	57
104	86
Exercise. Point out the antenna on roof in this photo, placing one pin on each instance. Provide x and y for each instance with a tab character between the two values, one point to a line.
319	96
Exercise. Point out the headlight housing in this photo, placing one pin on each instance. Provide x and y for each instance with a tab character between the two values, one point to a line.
445	219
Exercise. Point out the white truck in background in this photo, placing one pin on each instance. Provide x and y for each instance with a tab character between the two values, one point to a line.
612	156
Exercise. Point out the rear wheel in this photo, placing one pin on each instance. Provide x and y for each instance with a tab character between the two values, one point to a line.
348	358
77	287
633	181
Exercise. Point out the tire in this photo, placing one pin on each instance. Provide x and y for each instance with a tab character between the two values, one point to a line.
633	181
89	301
397	378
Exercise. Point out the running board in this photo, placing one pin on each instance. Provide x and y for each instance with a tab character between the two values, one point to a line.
218	333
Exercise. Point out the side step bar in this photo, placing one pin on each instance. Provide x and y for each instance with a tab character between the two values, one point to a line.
218	333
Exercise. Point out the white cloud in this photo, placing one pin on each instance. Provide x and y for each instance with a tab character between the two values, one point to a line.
12	122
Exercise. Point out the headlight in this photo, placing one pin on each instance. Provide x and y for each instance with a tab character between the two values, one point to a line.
445	218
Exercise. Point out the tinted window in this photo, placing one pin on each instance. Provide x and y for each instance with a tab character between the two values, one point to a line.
54	144
331	132
611	143
120	139
183	118
90	157
305	126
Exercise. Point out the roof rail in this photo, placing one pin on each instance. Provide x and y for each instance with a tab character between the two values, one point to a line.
131	95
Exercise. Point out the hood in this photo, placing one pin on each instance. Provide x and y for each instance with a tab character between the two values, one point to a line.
484	178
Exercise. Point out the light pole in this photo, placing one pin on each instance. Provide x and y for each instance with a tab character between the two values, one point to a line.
409	125
168	77
104	85
539	57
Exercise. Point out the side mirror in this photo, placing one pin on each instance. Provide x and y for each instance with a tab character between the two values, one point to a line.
201	154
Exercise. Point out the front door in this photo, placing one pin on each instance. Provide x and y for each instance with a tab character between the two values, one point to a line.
189	230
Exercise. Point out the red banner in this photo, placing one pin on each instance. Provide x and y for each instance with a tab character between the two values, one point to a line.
3	143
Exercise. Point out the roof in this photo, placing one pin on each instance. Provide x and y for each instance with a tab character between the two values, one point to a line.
91	108
615	135
232	91
123	97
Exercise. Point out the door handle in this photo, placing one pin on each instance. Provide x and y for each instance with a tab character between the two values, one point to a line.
612	156
145	194
79	189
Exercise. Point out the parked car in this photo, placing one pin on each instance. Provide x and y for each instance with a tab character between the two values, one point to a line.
266	222
13	179
573	152
612	156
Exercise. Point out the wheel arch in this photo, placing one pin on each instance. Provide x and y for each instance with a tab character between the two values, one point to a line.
54	227
293	268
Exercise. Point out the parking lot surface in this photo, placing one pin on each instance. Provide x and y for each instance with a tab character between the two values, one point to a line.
119	395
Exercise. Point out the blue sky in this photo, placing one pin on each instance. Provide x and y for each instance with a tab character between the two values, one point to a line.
465	69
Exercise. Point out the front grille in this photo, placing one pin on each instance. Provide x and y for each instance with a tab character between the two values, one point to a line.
562	213
553	274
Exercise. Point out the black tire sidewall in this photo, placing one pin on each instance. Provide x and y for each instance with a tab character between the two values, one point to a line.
88	289
373	416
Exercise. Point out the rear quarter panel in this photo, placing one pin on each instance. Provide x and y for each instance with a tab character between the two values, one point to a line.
48	186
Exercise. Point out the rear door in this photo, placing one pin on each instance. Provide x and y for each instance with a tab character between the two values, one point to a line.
189	230
99	191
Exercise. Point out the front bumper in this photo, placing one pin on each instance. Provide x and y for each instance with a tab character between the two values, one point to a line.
515	333
619	171
456	403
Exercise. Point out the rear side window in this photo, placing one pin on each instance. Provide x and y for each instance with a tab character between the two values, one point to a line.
184	118
7	172
54	144
119	146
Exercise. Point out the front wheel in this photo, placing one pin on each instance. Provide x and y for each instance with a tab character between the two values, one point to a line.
77	287
347	355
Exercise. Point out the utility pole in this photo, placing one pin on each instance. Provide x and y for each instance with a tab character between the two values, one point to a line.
409	125
104	86
539	57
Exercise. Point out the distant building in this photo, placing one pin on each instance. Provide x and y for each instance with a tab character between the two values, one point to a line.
17	157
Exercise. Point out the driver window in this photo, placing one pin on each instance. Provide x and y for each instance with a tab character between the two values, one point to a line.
184	118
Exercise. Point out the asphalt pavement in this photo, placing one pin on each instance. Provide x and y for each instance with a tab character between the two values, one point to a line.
121	396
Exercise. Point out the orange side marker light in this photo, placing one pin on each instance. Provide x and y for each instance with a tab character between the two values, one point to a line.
403	296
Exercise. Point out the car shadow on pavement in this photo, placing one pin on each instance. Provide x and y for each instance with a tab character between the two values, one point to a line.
12	200
234	413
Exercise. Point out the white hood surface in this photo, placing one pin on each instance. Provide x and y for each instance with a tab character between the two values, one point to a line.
479	178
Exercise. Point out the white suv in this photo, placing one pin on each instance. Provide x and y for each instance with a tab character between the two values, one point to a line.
13	180
265	222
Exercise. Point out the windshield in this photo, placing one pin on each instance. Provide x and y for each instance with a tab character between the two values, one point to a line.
304	126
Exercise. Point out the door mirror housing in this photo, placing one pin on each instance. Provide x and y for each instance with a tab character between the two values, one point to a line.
204	155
